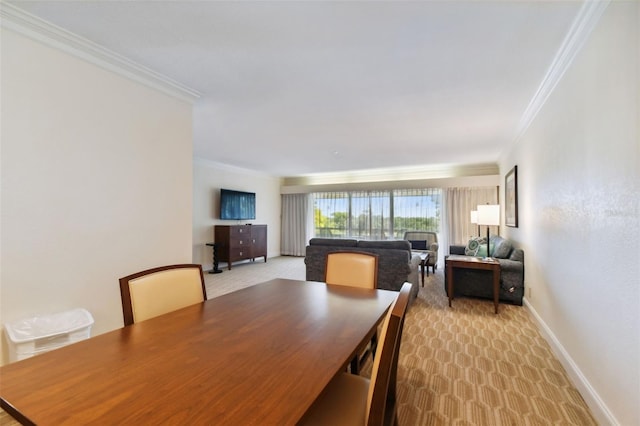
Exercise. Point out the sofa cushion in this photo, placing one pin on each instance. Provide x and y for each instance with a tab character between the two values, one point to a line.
500	248
341	242
394	244
517	255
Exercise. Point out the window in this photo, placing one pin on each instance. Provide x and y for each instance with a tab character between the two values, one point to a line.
416	210
376	215
331	214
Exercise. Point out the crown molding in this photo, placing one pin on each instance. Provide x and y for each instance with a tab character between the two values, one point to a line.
582	26
487	181
412	173
16	19
407	174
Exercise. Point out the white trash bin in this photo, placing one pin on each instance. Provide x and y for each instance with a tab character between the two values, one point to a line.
31	336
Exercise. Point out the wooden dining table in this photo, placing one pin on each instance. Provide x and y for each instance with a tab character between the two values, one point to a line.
257	356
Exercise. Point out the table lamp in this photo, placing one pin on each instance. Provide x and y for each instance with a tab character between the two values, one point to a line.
474	219
489	215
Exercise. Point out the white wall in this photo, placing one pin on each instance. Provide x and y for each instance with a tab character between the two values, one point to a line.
96	183
578	178
208	178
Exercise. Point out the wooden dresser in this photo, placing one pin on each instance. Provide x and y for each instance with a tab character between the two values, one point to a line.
240	242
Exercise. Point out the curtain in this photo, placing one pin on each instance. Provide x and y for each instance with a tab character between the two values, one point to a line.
458	204
296	224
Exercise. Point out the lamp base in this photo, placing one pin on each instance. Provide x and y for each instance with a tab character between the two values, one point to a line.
488	247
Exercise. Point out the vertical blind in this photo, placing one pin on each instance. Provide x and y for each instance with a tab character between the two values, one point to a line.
416	210
376	214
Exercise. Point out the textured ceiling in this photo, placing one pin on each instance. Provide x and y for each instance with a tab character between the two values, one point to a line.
294	88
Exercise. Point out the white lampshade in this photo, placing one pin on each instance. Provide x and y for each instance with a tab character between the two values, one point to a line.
474	216
489	214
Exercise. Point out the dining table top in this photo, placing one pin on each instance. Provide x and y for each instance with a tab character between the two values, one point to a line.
260	355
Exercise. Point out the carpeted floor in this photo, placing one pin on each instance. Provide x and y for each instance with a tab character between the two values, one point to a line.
467	366
458	366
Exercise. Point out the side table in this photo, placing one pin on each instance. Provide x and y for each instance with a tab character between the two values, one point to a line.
455	261
215	269
424	259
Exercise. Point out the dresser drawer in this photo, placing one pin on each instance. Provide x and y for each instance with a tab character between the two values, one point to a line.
240	232
239	253
241	242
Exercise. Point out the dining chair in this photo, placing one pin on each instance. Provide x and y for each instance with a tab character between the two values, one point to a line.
355	400
351	268
354	269
157	291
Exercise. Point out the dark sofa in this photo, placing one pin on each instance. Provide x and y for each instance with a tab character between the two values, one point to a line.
477	283
396	263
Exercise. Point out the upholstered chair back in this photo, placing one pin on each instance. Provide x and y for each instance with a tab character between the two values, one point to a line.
381	399
355	269
157	291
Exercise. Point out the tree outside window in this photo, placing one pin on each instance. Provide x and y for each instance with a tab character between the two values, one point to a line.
376	215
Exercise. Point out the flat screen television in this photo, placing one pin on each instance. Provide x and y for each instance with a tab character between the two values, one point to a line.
237	205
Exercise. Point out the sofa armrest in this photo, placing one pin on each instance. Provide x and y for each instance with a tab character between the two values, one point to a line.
512	275
456	249
434	246
507	265
414	277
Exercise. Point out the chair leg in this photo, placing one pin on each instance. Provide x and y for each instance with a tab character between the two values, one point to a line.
355	365
357	361
374	344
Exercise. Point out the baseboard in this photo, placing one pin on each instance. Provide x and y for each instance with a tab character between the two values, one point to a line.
597	406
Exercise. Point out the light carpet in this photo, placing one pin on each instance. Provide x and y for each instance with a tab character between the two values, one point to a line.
465	365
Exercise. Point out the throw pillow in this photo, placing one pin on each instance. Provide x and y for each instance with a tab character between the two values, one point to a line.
418	244
474	245
482	250
482	247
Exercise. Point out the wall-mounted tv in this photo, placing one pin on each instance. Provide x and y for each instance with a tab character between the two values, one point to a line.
237	205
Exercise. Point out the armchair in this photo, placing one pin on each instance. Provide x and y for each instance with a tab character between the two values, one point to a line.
425	241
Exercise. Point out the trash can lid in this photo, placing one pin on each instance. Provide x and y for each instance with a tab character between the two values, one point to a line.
48	325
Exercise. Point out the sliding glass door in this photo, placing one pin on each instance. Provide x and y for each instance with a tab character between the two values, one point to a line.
376	215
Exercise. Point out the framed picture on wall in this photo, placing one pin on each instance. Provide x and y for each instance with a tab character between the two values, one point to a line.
511	198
